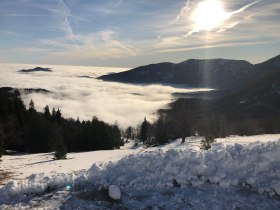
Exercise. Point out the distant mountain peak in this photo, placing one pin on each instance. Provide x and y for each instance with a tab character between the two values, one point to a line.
275	59
270	66
35	70
215	73
213	60
271	60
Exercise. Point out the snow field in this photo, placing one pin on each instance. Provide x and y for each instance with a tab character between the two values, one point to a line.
23	166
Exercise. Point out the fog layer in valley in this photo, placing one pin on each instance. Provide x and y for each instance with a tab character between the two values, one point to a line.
78	94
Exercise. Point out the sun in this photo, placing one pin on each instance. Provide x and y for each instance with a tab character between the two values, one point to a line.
209	15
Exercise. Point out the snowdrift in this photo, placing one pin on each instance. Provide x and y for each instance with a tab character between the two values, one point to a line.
35	184
255	166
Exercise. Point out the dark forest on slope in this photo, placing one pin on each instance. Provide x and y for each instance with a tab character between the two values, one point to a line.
250	111
27	130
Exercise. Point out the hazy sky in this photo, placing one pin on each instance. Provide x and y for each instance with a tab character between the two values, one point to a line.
129	33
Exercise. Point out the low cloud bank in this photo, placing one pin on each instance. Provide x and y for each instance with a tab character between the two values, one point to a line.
78	94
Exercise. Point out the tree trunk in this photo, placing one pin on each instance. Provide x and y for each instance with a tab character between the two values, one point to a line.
183	139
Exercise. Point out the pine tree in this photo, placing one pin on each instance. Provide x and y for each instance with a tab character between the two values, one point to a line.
144	131
53	117
128	133
161	129
47	113
31	108
58	115
40	134
60	150
1	149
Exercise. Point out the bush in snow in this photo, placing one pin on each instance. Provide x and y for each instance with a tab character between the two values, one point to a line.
207	141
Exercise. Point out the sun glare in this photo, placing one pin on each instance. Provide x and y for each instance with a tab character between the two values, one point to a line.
209	14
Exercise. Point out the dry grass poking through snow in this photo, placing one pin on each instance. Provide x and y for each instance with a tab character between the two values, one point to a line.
4	175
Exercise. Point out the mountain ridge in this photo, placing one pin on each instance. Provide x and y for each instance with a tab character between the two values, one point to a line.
207	73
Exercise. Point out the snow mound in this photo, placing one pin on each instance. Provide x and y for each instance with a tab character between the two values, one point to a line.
114	192
255	166
35	184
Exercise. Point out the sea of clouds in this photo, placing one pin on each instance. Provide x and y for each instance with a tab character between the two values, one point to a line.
82	97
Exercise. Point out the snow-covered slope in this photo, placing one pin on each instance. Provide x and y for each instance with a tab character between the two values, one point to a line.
231	175
22	166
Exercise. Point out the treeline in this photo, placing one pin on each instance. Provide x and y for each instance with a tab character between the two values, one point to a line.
27	130
218	118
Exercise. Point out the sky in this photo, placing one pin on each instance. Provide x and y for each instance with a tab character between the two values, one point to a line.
131	33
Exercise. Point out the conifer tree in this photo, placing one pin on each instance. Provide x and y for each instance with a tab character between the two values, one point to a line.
128	133
47	113
31	108
60	150
53	117
1	148
58	115
144	131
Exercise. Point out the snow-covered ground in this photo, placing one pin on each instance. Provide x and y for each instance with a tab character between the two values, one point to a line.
22	166
236	173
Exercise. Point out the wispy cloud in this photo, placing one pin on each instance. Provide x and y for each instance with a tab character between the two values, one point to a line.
66	12
254	27
109	9
9	33
232	23
23	15
242	9
217	45
174	36
228	26
184	11
101	45
129	33
226	17
118	4
63	14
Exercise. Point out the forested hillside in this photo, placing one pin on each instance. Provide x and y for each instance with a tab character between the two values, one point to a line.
249	111
28	130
